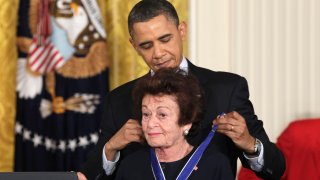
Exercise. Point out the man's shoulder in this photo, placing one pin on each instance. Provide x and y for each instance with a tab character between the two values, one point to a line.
215	76
124	89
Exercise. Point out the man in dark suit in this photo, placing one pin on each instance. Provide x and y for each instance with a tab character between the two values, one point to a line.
157	36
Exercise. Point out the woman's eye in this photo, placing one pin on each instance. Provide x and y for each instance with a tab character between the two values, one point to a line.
145	115
162	115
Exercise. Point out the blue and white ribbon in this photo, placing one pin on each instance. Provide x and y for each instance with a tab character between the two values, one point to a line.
189	166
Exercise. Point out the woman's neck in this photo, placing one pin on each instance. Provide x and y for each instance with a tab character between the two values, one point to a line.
174	153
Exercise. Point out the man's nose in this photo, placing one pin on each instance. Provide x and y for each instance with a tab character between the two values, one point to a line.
158	51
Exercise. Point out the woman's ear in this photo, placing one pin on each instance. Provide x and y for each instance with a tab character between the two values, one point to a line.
189	125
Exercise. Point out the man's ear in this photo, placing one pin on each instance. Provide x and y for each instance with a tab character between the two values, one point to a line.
132	43
183	30
134	46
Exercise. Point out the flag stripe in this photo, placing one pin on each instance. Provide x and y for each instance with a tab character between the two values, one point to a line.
51	59
59	61
41	49
48	52
44	58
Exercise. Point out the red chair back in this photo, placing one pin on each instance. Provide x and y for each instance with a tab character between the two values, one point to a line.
300	144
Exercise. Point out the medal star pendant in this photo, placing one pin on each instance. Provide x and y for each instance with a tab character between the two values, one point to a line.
195	168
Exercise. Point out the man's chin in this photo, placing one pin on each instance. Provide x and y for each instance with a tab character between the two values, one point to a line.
165	67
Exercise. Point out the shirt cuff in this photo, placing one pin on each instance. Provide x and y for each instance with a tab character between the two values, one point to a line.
256	163
109	166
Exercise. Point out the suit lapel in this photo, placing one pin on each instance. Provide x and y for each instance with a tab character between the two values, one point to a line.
196	71
206	85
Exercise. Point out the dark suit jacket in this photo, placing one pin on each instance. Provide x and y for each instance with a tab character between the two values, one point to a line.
224	92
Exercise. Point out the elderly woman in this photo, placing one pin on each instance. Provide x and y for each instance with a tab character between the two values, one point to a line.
169	104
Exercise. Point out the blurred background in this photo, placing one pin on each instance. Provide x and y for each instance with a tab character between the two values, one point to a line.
55	112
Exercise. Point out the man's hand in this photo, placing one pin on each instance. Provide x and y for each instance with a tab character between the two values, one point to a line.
234	126
81	176
129	132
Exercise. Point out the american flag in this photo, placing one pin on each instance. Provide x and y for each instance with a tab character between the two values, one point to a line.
44	57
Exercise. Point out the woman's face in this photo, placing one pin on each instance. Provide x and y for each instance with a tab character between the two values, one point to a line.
160	116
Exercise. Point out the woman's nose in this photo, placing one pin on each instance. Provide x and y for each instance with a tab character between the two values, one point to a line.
152	121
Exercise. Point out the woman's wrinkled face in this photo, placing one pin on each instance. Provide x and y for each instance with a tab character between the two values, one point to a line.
160	116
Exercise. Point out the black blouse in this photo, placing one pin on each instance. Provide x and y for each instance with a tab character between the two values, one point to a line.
212	166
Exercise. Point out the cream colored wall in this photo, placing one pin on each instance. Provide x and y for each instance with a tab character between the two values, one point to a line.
275	44
209	33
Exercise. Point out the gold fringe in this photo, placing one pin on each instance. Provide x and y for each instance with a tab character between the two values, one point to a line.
24	43
8	68
33	15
